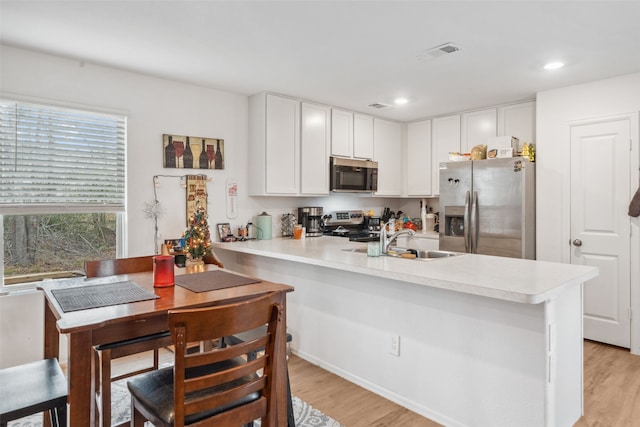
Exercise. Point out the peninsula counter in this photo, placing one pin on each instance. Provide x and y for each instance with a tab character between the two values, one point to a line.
483	341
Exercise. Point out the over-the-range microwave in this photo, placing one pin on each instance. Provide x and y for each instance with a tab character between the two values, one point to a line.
353	175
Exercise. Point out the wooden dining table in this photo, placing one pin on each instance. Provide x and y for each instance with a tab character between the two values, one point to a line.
87	328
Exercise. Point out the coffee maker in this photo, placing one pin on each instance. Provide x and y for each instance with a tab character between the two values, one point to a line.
311	219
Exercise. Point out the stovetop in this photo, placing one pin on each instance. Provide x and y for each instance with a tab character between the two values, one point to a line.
349	224
364	236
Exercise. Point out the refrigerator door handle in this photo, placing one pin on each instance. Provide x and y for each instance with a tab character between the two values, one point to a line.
474	223
467	236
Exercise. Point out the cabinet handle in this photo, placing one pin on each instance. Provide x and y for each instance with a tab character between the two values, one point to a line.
577	242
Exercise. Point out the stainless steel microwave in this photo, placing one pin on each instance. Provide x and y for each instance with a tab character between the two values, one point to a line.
353	175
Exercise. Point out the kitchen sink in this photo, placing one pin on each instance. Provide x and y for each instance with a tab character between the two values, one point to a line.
420	253
358	250
409	253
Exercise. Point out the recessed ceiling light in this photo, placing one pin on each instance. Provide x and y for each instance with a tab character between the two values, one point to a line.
400	101
553	65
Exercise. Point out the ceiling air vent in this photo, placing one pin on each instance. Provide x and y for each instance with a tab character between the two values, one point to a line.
438	51
378	105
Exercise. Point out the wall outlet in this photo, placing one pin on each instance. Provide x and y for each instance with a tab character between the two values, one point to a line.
394	345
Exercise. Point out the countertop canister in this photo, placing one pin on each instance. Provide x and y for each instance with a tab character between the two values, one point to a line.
264	226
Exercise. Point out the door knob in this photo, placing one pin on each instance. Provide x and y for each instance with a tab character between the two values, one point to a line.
577	242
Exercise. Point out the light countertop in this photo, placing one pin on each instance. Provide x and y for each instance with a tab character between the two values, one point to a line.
508	279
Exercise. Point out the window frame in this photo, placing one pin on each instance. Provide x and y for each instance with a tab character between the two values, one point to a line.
121	213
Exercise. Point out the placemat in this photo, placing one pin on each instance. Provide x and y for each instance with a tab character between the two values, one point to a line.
103	295
212	280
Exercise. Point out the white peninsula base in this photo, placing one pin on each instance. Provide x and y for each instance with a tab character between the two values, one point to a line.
464	359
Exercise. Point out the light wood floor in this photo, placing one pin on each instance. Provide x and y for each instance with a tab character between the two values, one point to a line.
611	392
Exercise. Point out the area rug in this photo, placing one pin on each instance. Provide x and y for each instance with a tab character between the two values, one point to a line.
304	414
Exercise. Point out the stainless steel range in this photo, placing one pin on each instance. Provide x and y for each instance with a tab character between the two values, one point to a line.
352	224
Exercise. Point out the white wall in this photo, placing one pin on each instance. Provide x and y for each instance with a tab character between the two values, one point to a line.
555	110
153	107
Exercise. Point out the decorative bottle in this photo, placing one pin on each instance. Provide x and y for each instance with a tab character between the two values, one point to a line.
170	154
219	160
204	160
187	156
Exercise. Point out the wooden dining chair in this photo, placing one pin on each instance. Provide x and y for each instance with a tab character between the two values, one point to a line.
105	353
220	386
31	388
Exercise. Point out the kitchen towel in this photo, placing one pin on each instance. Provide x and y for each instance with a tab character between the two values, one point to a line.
634	206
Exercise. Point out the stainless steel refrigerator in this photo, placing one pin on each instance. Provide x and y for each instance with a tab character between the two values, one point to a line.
488	207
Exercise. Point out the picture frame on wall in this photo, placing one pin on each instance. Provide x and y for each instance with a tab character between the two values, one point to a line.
192	152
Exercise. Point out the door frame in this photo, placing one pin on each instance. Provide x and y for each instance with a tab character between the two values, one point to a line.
634	179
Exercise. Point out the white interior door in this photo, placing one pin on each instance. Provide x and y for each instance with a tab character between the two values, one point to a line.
600	226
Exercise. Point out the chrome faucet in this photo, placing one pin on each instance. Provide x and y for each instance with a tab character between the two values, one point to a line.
387	240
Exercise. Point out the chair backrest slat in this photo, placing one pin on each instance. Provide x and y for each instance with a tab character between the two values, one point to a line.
110	267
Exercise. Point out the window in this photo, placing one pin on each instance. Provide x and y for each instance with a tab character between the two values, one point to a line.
62	188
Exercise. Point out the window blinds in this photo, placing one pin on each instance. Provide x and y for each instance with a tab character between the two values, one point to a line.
56	160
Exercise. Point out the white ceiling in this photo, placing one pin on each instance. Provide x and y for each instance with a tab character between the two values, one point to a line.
344	53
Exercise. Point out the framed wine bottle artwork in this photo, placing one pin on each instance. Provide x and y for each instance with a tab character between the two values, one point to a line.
192	152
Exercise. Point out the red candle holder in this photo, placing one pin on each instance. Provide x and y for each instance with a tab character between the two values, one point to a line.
163	271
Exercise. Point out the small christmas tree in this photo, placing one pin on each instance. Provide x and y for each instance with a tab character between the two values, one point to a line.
197	239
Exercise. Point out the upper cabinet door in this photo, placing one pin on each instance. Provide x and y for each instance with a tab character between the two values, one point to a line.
314	149
274	144
477	126
282	145
341	133
419	163
362	136
388	153
518	120
446	139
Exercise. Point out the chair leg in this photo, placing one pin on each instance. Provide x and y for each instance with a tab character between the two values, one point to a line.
96	382
291	421
137	420
58	416
156	359
105	388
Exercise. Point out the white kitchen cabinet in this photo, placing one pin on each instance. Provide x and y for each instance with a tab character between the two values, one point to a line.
387	144
518	120
477	127
419	164
445	139
314	149
274	145
362	136
341	133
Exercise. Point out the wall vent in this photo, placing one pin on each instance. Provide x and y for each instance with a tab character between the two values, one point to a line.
438	51
378	105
